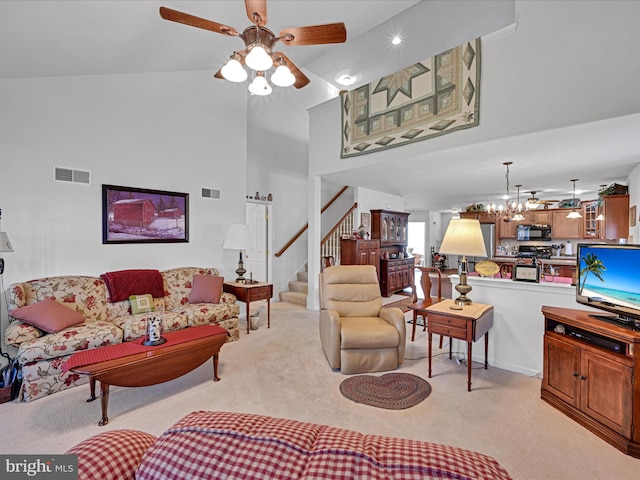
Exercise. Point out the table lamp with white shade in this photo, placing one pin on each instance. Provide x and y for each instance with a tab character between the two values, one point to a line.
463	237
239	238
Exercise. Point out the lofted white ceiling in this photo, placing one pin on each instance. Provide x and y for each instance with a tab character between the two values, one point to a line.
65	38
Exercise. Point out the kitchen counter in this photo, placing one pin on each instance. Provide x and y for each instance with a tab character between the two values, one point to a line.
557	260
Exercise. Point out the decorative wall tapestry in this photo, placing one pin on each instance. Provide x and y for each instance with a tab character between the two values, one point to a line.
433	97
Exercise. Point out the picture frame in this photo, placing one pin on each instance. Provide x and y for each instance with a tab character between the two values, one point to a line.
365	221
632	216
140	215
526	273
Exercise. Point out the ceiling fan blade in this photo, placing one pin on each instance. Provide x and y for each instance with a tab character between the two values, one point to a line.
257	11
193	21
301	78
314	34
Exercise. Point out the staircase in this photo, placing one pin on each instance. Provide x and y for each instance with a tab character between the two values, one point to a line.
297	293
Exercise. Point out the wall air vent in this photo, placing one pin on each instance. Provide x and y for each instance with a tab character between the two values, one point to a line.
61	174
210	193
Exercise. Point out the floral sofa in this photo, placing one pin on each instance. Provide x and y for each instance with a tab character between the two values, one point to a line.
42	354
247	446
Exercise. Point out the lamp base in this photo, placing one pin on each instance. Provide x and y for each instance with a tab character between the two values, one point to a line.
462	288
240	271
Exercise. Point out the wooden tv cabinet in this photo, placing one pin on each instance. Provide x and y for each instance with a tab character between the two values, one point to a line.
592	375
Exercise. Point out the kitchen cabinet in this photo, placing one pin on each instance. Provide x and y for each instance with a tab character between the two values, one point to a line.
591	228
563	227
389	227
616	216
507	229
591	383
360	252
540	217
396	274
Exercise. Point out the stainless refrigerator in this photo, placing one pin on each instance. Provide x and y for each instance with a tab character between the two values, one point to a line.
488	234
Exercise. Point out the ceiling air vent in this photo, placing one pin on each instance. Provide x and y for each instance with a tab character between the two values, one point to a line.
61	174
210	193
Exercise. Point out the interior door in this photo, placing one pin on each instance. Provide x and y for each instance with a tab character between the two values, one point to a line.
258	259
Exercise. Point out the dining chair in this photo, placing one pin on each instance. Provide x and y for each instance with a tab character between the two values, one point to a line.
420	306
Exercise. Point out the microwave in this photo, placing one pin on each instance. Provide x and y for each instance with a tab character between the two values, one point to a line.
533	232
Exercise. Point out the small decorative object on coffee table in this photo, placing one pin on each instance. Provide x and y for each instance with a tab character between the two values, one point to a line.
154	328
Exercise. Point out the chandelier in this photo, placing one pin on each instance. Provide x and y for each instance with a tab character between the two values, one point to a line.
510	210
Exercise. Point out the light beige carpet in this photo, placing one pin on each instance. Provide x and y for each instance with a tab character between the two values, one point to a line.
282	372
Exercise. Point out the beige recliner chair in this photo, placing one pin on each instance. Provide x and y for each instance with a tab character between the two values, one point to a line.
357	335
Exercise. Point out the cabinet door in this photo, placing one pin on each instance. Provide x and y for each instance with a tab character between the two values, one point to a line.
507	229
606	392
541	217
564	227
561	370
590	226
616	216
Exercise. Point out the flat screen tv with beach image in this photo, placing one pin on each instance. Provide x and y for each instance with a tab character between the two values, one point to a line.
609	279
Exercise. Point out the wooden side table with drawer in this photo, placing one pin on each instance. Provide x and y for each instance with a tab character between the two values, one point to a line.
468	323
251	292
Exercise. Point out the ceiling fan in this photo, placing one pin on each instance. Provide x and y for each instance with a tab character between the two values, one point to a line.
259	54
534	202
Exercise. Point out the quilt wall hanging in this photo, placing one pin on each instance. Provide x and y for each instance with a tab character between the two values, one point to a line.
433	97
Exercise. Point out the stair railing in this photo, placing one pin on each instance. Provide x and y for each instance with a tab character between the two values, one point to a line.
330	244
306	226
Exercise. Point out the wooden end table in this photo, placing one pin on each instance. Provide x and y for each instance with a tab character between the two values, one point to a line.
467	323
251	292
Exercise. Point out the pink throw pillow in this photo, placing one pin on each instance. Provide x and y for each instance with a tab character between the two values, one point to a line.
206	289
48	315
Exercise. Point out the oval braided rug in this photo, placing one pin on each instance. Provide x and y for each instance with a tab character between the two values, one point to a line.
393	391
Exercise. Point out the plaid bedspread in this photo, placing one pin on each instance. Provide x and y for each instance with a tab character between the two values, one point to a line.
206	445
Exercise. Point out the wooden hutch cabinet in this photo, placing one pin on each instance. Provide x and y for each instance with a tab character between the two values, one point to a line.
360	252
589	367
391	228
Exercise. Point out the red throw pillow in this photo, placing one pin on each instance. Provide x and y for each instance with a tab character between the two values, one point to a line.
206	289
48	315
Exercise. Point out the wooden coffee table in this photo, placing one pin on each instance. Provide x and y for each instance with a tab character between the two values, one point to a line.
155	365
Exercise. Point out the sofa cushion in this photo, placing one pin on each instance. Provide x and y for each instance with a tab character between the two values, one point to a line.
178	283
18	332
48	315
206	289
86	295
135	326
89	334
101	456
237	445
141	303
204	313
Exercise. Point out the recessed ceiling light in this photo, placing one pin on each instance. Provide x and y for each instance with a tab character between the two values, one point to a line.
396	40
345	79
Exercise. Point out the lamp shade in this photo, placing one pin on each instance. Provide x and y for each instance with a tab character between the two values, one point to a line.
5	243
464	237
238	238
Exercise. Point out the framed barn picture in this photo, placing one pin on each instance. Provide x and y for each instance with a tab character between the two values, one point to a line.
139	215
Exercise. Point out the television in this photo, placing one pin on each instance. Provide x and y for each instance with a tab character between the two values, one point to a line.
609	279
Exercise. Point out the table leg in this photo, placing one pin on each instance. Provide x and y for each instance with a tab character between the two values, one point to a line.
92	389
469	347
104	403
268	313
216	378
248	317
486	349
430	335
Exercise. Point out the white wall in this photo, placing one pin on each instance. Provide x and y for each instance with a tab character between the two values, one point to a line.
160	131
634	199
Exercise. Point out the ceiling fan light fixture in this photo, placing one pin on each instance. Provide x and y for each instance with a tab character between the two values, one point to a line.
260	86
258	59
233	71
283	77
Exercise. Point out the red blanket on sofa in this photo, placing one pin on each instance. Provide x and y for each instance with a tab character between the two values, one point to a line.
124	283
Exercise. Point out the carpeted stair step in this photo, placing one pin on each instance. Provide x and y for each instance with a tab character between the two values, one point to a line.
297	298
303	276
298	286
